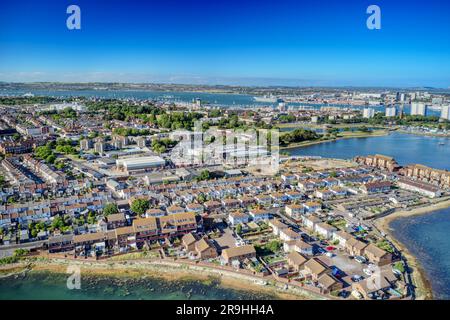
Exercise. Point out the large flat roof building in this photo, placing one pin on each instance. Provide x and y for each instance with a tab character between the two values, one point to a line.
141	163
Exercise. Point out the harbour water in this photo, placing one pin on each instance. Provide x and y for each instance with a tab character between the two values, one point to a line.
213	99
52	286
427	238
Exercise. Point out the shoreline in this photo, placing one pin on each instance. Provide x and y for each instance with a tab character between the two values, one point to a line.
424	134
421	281
165	271
381	133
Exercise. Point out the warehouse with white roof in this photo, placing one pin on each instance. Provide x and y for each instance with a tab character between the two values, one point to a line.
140	164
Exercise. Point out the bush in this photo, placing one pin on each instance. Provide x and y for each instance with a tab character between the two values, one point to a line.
399	266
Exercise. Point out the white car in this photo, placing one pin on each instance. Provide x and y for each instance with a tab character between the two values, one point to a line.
357	278
360	259
368	271
357	294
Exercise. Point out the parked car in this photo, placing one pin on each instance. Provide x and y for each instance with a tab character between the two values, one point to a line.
360	259
357	294
357	278
396	272
368	271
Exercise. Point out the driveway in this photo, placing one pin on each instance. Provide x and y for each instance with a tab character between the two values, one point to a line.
349	266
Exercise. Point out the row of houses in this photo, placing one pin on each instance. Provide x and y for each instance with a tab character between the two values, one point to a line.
49	175
322	177
439	178
123	238
315	270
44	210
293	240
424	188
356	247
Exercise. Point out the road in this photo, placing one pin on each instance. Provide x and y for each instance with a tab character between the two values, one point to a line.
8	250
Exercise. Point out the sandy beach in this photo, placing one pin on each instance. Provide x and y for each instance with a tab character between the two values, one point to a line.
423	286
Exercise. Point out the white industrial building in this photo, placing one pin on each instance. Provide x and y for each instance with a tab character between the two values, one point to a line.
140	164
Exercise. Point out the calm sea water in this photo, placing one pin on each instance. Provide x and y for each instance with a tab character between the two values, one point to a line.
428	238
52	286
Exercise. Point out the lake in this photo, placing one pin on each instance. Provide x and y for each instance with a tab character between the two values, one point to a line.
405	148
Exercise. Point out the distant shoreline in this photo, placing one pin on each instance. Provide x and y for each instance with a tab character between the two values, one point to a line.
378	133
423	285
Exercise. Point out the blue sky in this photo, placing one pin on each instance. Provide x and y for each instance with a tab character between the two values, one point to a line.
320	42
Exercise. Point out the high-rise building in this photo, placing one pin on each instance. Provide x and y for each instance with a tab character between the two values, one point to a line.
118	144
99	146
445	112
282	106
141	142
418	108
391	112
368	113
85	144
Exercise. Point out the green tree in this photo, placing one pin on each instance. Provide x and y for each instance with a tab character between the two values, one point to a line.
2	181
92	218
140	206
239	229
204	175
34	233
110	208
298	135
274	246
364	129
50	159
